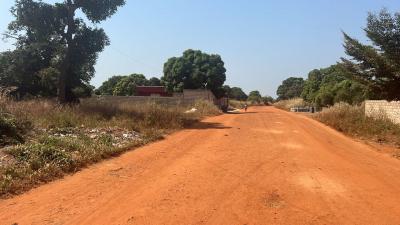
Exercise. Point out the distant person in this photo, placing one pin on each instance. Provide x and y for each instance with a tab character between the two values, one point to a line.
245	107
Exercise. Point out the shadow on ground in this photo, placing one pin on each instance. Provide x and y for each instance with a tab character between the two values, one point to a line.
207	125
232	112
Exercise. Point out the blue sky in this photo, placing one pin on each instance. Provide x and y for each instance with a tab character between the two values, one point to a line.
262	41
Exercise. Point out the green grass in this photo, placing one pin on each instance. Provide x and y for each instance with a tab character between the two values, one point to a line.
47	141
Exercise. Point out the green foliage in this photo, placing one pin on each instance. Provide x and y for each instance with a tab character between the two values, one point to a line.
127	85
195	70
39	154
28	70
327	86
107	88
267	100
83	91
290	88
255	97
55	49
11	130
154	81
378	65
235	93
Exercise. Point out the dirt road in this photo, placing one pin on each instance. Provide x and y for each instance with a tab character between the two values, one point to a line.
263	167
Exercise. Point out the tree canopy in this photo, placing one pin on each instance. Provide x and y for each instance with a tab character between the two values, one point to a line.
235	93
290	88
195	70
377	66
255	97
58	49
267	100
154	81
125	85
327	86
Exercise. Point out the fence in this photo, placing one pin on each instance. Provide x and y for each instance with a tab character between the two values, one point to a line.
383	108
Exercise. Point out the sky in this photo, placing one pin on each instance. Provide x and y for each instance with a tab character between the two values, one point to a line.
262	42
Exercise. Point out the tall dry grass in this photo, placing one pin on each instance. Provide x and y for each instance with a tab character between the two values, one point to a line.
288	104
47	140
351	120
237	104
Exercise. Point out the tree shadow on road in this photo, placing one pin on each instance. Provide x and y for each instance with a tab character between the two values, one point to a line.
240	113
207	125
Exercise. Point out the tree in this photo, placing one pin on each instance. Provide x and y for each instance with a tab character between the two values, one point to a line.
70	45
351	92
267	100
27	70
290	88
238	94
195	70
83	91
228	91
327	86
107	88
255	97
127	85
377	66
154	81
312	85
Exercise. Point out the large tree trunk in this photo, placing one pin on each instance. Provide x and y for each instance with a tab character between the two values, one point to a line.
66	64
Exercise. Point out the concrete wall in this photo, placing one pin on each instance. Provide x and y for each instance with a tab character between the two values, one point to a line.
199	94
143	99
188	97
379	108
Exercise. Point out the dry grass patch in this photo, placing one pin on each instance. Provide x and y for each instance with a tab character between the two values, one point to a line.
42	140
351	120
288	104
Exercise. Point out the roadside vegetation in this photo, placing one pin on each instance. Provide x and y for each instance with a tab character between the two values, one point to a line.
369	72
290	103
42	140
351	120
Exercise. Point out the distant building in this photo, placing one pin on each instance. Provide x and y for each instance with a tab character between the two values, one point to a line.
156	91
